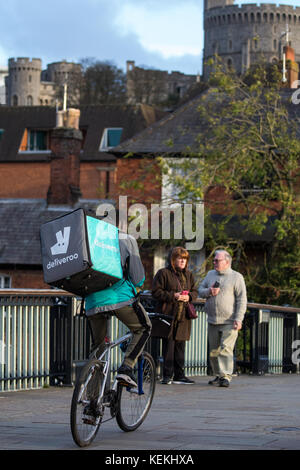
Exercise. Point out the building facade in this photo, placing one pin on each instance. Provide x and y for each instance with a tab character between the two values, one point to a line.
3	74
247	34
150	86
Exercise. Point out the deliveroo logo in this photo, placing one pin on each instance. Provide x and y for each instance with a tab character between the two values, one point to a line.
61	247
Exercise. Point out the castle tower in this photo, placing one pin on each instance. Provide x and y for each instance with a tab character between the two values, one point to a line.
247	34
23	81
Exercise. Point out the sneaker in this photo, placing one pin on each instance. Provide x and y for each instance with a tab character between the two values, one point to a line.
166	381
126	377
183	380
223	382
214	381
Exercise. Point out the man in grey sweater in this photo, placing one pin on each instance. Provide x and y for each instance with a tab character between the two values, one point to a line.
225	306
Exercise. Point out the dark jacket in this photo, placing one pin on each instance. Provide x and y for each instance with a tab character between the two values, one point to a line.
165	284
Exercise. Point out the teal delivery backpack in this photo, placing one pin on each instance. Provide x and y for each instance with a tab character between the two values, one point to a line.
80	253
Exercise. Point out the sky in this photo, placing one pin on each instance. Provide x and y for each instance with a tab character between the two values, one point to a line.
161	34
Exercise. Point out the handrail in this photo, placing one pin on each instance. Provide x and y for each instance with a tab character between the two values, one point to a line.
60	292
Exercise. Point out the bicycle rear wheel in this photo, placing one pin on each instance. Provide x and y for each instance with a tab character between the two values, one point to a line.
86	414
133	404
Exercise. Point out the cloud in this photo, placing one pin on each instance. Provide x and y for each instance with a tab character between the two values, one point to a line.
173	32
72	29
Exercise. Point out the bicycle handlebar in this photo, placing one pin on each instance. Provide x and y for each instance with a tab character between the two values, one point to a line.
160	315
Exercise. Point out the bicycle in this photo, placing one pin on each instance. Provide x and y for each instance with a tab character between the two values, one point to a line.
94	391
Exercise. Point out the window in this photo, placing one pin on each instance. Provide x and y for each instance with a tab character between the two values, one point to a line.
15	100
35	140
5	281
29	100
110	138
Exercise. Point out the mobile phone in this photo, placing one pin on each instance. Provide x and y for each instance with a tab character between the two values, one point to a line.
216	284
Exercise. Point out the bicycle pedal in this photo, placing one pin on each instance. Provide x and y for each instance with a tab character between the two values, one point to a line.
89	420
124	384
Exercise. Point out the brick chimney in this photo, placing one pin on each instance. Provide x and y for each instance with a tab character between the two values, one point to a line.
292	67
65	159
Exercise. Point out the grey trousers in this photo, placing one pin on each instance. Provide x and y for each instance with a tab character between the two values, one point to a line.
222	339
136	321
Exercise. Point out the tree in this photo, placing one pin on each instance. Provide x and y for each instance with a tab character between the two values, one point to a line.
102	83
246	169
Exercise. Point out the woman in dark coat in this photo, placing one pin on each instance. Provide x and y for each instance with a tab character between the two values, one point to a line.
168	285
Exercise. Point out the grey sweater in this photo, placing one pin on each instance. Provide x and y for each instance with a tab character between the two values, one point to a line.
231	302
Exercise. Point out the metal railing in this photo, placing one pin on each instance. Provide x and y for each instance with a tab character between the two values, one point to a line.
44	339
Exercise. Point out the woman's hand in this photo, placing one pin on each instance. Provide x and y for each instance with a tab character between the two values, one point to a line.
181	298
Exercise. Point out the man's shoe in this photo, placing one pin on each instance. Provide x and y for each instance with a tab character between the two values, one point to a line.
223	382
166	381
183	380
126	377
215	381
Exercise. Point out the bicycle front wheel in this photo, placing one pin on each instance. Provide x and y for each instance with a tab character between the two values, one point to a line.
86	412
133	404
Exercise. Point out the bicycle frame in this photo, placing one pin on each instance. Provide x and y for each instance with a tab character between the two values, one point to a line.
105	358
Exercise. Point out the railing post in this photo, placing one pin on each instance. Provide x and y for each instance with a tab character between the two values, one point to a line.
260	338
290	327
61	342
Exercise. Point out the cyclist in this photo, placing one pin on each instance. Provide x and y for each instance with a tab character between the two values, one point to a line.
121	298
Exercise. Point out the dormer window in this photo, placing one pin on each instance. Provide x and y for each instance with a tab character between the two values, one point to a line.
111	138
35	140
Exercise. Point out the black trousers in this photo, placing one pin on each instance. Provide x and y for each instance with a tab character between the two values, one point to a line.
173	356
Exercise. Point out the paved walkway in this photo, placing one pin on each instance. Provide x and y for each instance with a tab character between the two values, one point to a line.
256	412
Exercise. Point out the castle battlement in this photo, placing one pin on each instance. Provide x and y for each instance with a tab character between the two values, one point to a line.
25	62
223	5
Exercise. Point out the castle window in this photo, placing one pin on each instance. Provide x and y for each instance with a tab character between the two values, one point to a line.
252	18
258	17
29	100
272	17
15	100
255	43
275	44
29	78
111	137
265	17
230	44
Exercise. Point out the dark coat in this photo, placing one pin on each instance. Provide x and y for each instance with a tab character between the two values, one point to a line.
165	285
